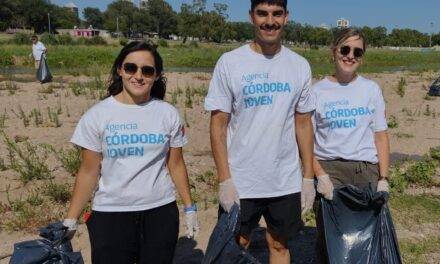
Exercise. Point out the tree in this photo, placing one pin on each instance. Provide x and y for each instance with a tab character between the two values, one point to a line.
122	12
164	19
94	17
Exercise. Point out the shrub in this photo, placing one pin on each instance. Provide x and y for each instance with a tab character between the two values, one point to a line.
421	172
123	41
392	122
21	39
59	193
193	44
401	87
28	161
398	182
96	40
65	39
435	153
162	43
49	39
70	159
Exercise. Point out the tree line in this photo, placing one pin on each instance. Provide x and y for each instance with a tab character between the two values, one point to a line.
193	20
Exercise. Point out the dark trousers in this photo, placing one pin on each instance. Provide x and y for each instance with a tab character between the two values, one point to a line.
358	173
148	236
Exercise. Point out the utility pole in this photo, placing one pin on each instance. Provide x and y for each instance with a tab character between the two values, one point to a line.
48	18
430	35
117	25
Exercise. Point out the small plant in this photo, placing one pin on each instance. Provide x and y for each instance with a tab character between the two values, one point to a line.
403	135
174	97
188	97
427	97
427	111
392	122
9	86
28	161
401	87
53	117
59	193
208	178
3	118
398	182
70	159
3	166
23	116
434	153
421	172
34	199
77	88
37	116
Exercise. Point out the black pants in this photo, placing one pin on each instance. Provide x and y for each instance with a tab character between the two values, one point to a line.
148	236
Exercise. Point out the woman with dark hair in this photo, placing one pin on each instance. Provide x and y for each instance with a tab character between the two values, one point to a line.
351	139
131	147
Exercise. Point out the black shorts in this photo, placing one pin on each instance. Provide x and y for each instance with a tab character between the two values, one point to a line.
282	214
148	236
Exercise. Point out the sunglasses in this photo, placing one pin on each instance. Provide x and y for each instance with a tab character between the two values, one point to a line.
357	52
132	68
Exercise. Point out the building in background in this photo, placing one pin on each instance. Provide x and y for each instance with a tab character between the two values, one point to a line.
72	7
343	23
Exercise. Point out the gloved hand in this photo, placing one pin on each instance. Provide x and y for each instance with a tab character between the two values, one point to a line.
191	221
383	186
72	225
325	186
308	194
228	195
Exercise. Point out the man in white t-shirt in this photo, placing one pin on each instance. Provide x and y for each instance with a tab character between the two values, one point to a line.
38	49
261	104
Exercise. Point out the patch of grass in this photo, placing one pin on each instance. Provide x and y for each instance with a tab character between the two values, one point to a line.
53	117
37	117
3	118
28	160
59	193
46	89
414	210
421	172
3	166
34	199
415	252
77	88
393	122
208	178
9	86
23	116
188	97
398	183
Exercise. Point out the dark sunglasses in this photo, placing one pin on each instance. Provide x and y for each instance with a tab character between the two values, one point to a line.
132	68
357	52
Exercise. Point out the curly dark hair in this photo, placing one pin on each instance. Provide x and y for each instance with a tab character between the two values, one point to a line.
282	3
115	81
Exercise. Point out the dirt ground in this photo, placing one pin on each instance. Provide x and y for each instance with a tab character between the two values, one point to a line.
418	129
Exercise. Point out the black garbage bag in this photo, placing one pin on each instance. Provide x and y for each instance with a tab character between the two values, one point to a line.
358	227
43	72
54	248
434	89
222	246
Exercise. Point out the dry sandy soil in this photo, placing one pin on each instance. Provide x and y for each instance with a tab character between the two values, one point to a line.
418	130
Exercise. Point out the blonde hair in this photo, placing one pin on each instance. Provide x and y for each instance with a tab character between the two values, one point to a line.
347	33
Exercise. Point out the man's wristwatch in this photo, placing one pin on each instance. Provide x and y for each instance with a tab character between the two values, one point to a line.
383	178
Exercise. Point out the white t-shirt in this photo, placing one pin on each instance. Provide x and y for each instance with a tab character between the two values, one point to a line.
134	141
346	118
37	50
262	95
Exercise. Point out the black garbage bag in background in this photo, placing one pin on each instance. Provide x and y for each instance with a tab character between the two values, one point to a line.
358	227
55	248
434	89
43	72
222	246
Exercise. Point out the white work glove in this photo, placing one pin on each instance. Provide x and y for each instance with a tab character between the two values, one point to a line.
191	221
383	186
227	195
325	186
308	194
72	225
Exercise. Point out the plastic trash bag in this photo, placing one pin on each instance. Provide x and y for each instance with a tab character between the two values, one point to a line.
358	227
43	72
434	89
55	248
222	246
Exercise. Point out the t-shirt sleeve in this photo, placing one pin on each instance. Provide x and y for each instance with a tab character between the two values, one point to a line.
87	133
379	121
178	137
219	94
307	100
